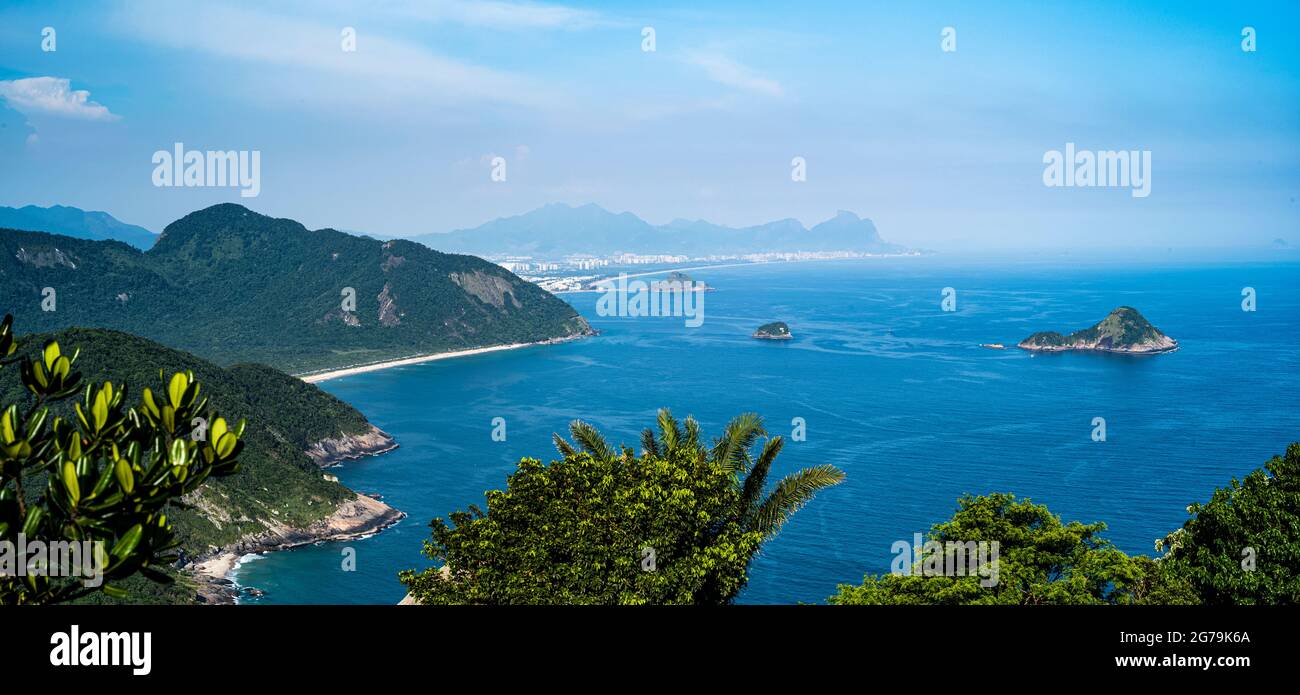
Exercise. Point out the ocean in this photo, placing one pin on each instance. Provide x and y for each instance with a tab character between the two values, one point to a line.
893	390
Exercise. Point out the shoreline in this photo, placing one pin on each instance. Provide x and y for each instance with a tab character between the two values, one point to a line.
739	264
1162	350
331	452
361	517
318	377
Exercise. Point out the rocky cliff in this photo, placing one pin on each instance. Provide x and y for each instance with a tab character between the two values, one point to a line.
348	447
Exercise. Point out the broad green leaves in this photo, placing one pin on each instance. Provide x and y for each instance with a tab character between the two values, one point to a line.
51	376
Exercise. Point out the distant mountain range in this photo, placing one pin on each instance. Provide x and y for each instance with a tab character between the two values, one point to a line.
230	285
551	232
75	222
559	230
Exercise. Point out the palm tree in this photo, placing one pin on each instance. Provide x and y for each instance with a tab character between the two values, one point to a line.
756	511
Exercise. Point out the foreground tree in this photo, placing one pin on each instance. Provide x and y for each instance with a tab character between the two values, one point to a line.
99	481
1243	546
1040	560
678	524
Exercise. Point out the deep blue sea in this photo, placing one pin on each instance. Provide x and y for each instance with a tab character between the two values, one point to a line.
894	391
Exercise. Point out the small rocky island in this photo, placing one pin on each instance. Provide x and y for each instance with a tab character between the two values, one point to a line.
777	330
687	281
1124	330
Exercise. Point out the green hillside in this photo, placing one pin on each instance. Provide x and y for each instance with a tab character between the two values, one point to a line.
235	286
276	483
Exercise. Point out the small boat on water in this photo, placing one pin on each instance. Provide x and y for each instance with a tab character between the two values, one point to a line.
993	346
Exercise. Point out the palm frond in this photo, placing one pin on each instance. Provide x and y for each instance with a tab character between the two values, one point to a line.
752	490
565	449
669	432
692	440
794	491
648	442
590	439
731	450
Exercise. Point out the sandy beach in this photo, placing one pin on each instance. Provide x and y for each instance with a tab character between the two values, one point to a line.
376	366
746	264
218	566
214	586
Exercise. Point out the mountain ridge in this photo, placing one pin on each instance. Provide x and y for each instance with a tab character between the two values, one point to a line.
231	285
77	223
584	229
559	229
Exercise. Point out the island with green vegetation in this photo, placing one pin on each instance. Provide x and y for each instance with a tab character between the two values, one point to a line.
1124	331
230	285
777	330
686	281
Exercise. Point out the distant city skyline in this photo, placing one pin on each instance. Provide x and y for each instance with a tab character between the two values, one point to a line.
942	149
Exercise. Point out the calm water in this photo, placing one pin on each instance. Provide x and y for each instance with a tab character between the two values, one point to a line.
894	391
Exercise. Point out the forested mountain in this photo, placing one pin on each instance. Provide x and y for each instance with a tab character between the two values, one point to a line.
234	286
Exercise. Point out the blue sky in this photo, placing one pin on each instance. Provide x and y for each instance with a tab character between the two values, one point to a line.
942	149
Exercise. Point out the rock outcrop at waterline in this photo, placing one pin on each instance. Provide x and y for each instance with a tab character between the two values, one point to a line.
349	447
360	516
1125	330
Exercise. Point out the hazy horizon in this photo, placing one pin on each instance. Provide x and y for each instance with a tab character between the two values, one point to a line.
1152	252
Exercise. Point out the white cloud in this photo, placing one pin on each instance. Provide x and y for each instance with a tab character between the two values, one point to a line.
52	96
724	70
497	14
381	70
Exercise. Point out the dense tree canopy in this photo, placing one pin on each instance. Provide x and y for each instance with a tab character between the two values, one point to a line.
678	524
1243	545
1040	560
